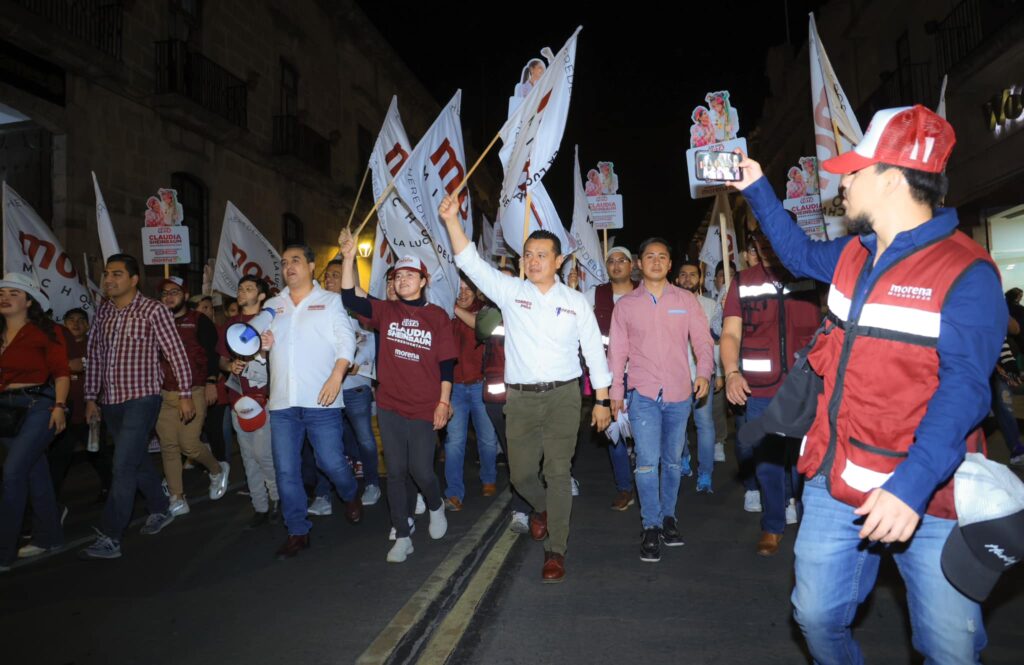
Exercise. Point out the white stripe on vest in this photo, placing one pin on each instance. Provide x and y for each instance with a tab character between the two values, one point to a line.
838	304
901	319
755	290
757	365
863	479
495	388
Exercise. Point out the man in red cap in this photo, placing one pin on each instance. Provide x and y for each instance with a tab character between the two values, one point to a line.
914	328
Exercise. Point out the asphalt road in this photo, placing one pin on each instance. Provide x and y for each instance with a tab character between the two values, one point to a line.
207	591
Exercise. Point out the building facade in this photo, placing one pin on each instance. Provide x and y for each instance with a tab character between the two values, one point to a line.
895	53
271	105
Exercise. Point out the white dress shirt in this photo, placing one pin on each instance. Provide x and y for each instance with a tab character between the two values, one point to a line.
309	338
543	331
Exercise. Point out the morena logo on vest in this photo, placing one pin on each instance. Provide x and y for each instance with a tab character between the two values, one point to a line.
912	292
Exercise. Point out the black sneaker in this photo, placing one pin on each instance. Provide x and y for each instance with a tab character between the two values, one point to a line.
258	520
275	512
650	549
670	534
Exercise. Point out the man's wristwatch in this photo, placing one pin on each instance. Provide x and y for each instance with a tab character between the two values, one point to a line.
606	403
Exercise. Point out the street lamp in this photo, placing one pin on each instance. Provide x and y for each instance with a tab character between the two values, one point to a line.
365	248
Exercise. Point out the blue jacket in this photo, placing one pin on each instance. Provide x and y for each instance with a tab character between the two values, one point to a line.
974	321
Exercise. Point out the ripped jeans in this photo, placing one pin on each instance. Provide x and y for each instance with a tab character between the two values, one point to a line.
658	429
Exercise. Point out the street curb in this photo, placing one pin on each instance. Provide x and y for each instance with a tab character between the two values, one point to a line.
406	636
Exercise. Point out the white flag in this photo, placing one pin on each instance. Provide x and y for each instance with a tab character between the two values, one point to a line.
94	291
383	258
542	216
485	244
588	246
711	250
940	110
532	134
833	117
31	248
435	168
243	251
108	241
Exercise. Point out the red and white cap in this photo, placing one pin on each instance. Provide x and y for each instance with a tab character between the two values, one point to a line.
251	414
411	263
173	280
913	137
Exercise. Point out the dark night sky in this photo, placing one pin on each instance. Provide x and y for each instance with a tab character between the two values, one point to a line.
638	76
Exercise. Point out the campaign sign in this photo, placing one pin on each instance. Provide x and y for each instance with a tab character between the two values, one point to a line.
702	189
165	245
606	211
808	215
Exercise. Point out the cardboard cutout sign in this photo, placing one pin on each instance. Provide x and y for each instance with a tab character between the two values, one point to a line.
802	197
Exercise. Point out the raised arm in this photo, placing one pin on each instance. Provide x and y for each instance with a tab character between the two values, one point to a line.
487	278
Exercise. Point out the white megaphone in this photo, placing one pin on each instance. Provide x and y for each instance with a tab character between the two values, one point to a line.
244	338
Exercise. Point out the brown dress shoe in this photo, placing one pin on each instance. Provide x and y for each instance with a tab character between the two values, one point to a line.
293	546
554	568
490	489
623	501
354	511
539	525
453	504
769	543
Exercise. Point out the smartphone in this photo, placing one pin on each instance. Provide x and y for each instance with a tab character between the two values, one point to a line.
717	166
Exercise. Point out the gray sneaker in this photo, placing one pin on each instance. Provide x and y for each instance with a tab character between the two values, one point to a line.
155	523
104	547
371	495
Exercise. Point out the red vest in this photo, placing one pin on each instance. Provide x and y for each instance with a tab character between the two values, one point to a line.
494	367
604	304
881	369
773	334
188	330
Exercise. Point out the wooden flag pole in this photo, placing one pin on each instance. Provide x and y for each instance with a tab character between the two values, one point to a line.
465	181
723	232
526	233
376	204
605	232
359	194
167	270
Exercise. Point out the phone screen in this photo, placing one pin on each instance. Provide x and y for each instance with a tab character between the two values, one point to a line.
717	166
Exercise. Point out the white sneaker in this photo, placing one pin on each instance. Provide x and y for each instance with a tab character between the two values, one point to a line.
438	523
178	507
371	495
575	486
752	501
400	550
1017	460
520	523
321	507
412	530
219	482
719	451
421	505
30	550
791	517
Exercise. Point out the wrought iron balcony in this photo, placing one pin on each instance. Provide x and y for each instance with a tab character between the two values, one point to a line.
97	22
911	83
295	138
968	26
183	71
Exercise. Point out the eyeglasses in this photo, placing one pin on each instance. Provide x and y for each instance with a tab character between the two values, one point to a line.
172	292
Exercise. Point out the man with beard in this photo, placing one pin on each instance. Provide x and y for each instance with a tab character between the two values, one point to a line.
709	450
916	320
199	337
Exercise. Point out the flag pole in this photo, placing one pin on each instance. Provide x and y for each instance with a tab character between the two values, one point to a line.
723	201
526	232
465	181
359	193
376	204
605	232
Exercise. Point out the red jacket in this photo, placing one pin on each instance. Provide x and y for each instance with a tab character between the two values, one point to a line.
188	330
881	368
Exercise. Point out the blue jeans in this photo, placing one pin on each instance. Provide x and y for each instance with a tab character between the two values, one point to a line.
26	473
288	431
744	453
618	453
357	414
130	424
836	570
1002	407
658	430
468	402
775	458
704	421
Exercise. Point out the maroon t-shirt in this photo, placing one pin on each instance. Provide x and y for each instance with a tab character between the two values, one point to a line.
414	341
225	352
470	366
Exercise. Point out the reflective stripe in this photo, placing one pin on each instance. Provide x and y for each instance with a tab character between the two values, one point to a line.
803	445
901	319
755	290
495	388
863	479
604	339
838	304
803	285
500	330
754	365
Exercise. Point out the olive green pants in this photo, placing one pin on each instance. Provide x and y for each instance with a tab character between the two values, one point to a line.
541	430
